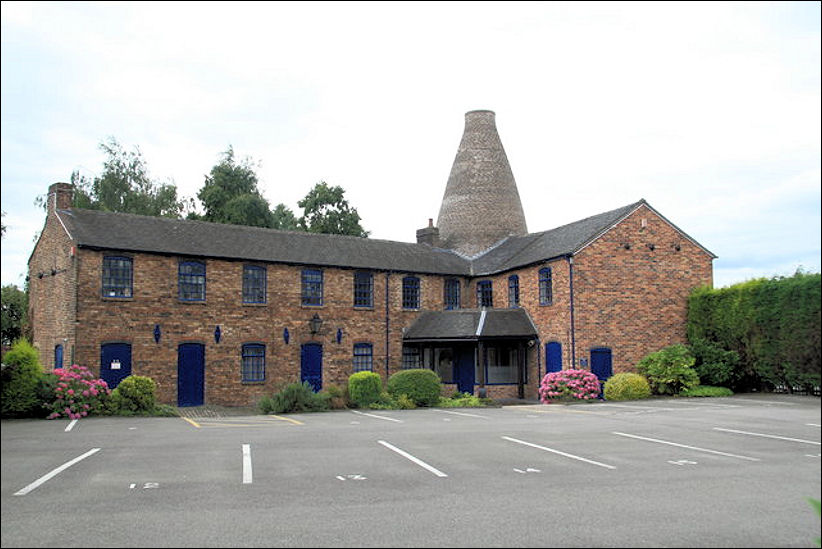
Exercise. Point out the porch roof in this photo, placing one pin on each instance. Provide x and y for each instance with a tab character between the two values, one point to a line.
471	325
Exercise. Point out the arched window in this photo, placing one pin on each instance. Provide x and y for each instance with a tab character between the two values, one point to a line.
513	291
546	290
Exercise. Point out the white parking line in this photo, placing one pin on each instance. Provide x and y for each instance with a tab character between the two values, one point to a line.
685	446
592	462
55	472
378	417
767	401
246	464
813	425
461	414
71	424
419	462
767	436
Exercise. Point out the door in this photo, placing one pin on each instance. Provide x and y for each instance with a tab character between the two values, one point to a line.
58	356
311	365
191	374
553	357
115	363
464	369
601	366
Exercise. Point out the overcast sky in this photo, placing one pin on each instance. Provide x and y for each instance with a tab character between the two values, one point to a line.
710	112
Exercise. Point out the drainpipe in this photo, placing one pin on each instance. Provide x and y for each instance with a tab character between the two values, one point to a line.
571	289
387	277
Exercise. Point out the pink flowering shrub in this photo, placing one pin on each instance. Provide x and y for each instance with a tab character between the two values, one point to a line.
77	393
569	385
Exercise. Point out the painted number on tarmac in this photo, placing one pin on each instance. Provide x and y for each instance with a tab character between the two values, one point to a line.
146	486
526	471
351	477
682	462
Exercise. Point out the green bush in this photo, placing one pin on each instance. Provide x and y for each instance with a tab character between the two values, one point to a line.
136	396
706	391
715	365
627	386
294	397
421	385
669	370
364	388
464	400
337	398
21	380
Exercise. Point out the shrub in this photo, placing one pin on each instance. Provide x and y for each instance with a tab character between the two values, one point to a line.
77	393
405	402
385	402
294	397
337	399
627	386
569	385
715	365
364	388
421	385
136	394
669	370
706	391
463	400
20	380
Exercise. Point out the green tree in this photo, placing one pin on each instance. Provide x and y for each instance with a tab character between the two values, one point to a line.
124	186
230	195
325	210
14	310
283	218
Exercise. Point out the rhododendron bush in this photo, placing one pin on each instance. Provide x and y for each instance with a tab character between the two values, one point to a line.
77	392
569	385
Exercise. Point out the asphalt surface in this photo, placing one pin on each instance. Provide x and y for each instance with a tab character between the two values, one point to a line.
719	472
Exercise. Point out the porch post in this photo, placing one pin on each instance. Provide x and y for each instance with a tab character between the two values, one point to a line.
520	370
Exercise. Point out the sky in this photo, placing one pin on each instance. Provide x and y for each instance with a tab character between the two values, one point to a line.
708	111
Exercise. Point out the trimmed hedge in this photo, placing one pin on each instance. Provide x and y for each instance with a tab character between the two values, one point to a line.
364	388
627	386
772	324
421	385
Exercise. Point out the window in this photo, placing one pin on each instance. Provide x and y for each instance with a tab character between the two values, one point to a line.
312	292
502	364
485	294
192	281
410	292
254	281
410	358
513	291
443	364
363	357
117	276
452	293
253	362
546	292
363	289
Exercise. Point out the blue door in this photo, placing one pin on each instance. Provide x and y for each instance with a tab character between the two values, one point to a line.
601	365
311	365
115	363
553	357
190	374
464	369
58	356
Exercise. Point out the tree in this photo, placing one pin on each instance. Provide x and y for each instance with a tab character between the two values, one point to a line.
13	314
230	194
2	227
124	186
284	219
325	210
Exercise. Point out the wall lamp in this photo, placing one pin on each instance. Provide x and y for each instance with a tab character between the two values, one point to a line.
315	324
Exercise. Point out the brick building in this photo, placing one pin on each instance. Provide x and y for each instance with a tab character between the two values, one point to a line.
223	314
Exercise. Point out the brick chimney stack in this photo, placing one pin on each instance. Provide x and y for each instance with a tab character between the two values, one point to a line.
429	235
481	204
60	196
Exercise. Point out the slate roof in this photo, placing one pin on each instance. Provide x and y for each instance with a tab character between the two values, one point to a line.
471	325
136	233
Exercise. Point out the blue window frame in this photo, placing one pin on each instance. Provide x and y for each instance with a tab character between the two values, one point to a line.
191	281
363	357
411	358
312	291
253	362
254	284
546	290
410	292
485	294
363	289
513	291
117	276
452	293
